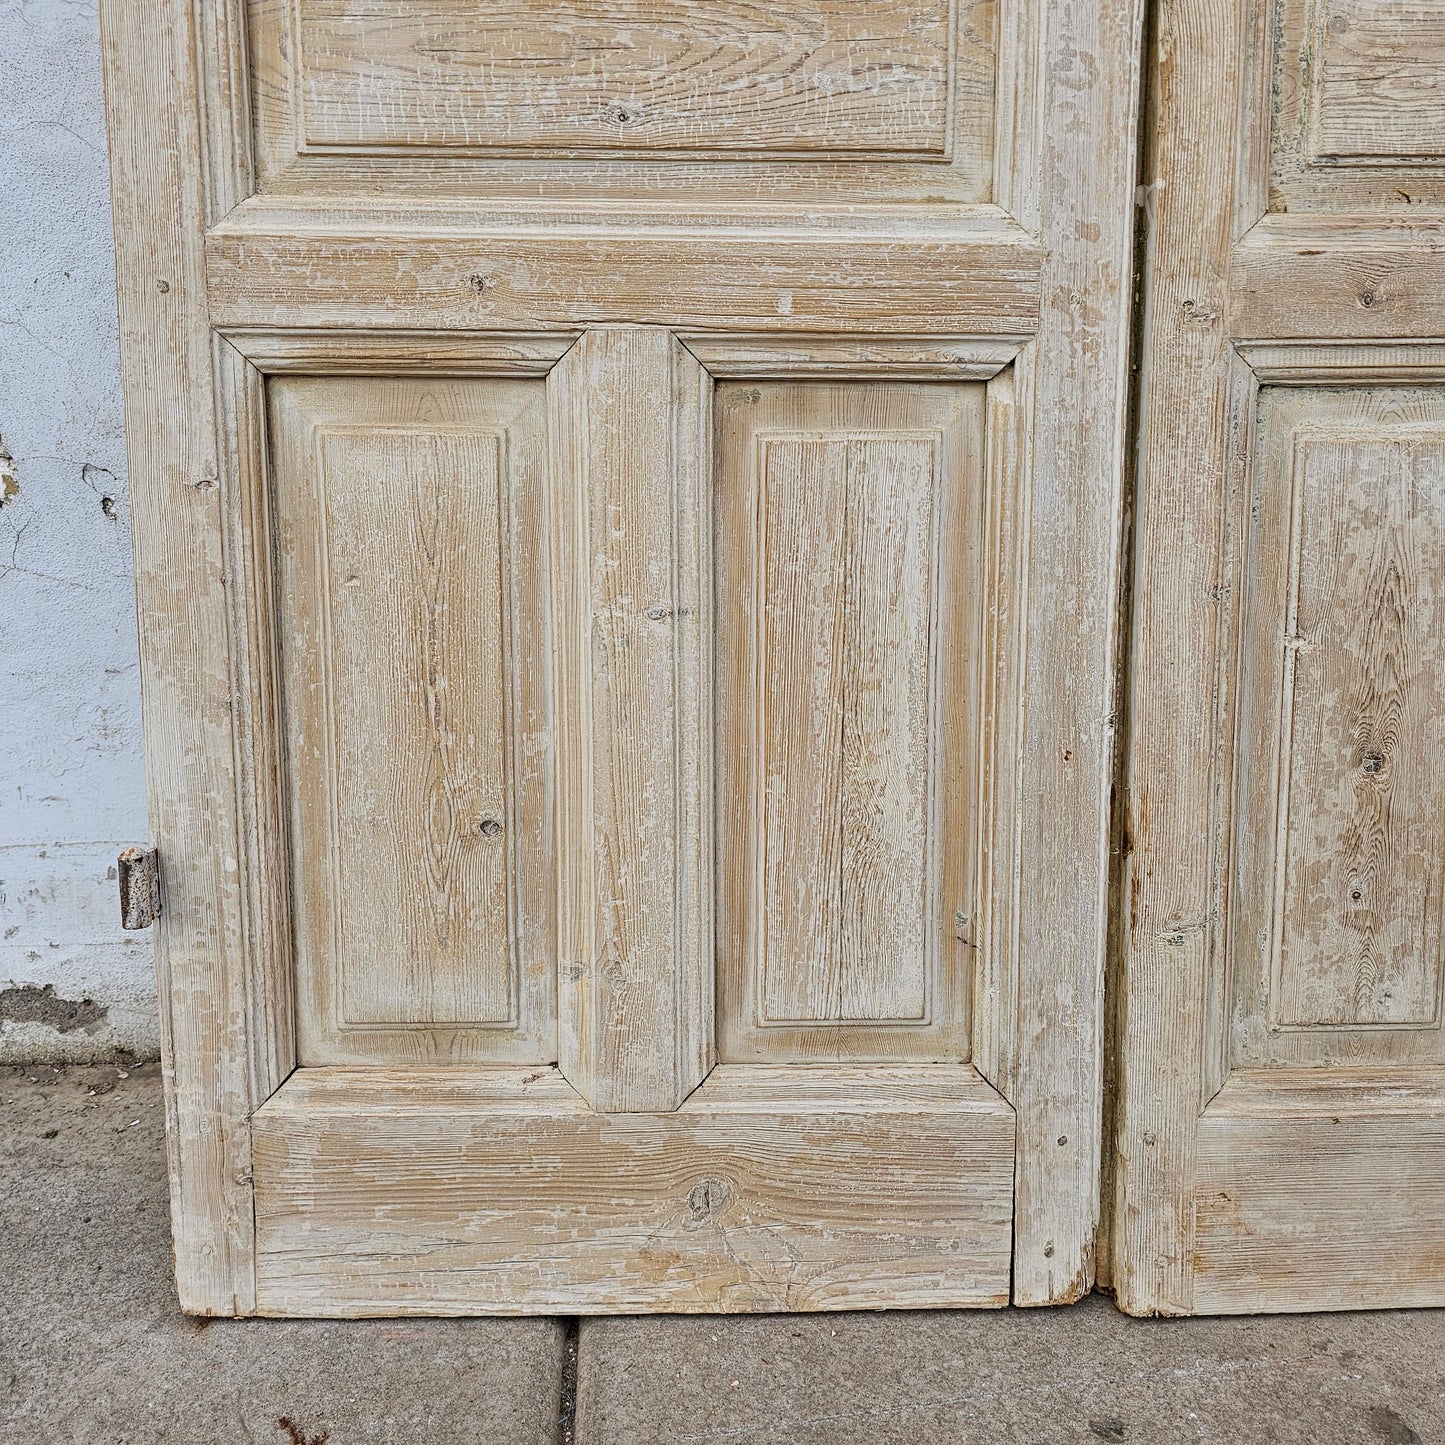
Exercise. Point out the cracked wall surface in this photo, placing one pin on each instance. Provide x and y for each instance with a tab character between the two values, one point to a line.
74	985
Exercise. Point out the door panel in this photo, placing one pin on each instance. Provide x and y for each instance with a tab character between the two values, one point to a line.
1281	1136
848	585
689	439
411	588
505	1193
645	76
1338	958
569	101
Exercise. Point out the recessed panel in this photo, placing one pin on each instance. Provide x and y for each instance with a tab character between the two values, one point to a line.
1380	89
412	756
1356	105
1339	942
577	100
846	613
627	75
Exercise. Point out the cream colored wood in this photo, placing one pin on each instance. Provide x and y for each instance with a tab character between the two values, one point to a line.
848	545
1341	865
922	358
547	101
1377	92
209	1034
1278	1135
638	76
414	661
1292	1162
337	352
507	1194
1336	278
630	436
458	269
1359	123
994	266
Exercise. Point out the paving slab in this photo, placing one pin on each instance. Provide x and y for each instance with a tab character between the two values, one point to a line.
1072	1376
93	1347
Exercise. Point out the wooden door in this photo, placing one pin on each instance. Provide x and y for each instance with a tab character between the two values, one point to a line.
627	511
1281	1129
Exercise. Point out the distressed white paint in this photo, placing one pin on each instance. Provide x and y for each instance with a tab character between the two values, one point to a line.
71	792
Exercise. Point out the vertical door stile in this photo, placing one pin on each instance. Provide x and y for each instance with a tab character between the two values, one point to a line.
630	462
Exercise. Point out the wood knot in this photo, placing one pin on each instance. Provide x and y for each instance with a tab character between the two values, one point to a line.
707	1198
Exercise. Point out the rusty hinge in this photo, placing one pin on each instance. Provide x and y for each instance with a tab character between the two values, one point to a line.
140	887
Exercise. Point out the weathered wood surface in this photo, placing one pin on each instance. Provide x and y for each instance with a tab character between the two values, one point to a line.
1378	91
414	664
1321	1189
1282	888
454	1193
1341	871
997	241
848	550
631	568
627	75
207	1026
565	100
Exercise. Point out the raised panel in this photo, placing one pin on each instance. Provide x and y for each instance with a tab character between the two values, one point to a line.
413	687
848	554
480	1191
627	75
1355	105
1380	82
577	99
1338	948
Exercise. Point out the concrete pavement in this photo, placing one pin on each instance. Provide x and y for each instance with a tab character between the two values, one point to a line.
94	1349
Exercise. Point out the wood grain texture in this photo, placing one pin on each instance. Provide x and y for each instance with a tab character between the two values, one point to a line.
644	98
466	1193
1363	857
1181	601
176	480
1309	278
627	76
848	586
1378	90
630	436
410	579
278	269
1070	385
375	267
1355	119
1321	1189
1337	952
1279	535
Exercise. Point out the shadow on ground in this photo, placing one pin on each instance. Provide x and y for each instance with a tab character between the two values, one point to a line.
93	1348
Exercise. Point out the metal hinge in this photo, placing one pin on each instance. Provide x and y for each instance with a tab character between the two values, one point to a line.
140	887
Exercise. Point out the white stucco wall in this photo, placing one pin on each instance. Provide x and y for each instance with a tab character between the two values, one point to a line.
71	785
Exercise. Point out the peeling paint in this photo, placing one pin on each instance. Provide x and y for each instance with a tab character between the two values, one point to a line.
9	481
76	987
28	1004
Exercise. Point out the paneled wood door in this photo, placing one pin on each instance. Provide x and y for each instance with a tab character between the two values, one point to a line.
1281	1131
627	505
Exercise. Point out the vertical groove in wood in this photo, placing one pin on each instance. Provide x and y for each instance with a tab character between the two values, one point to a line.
266	914
1074	376
157	170
632	580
